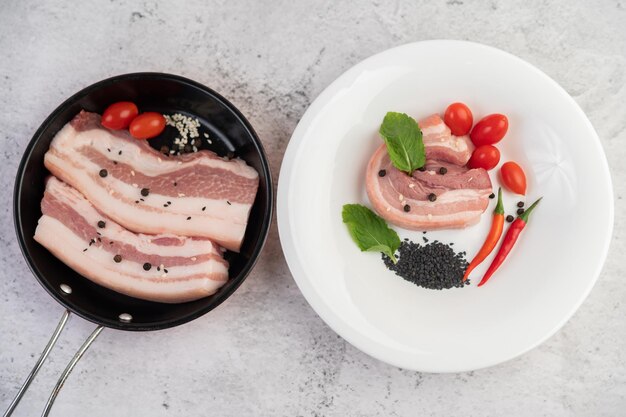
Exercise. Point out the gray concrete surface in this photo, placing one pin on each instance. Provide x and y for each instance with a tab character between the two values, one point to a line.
265	352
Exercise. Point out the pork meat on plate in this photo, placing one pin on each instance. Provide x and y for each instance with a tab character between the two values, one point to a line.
197	194
441	145
164	268
428	199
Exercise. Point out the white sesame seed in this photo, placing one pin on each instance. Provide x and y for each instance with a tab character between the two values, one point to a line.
163	275
111	192
411	185
132	172
135	185
206	135
209	141
195	149
181	194
186	126
471	178
160	160
388	208
193	258
400	197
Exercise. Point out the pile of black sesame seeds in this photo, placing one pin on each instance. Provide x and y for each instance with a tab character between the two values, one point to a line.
434	265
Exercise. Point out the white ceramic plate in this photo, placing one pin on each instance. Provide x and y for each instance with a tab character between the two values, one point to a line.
550	271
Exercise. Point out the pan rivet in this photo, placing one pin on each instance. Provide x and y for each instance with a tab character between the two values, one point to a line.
66	288
125	317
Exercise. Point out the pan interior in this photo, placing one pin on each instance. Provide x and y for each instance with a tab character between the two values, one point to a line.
230	134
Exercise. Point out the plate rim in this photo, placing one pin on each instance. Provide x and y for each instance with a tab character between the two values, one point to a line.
333	320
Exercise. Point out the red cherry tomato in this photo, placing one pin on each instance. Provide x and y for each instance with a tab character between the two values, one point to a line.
513	178
147	125
119	115
489	130
486	156
459	119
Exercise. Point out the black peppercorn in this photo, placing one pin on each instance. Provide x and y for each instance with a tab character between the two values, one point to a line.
103	173
510	218
443	170
422	169
145	192
407	208
520	211
432	196
382	173
520	204
117	258
492	195
147	266
101	224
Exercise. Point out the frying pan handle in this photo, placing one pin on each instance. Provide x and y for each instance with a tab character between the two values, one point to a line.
68	369
40	361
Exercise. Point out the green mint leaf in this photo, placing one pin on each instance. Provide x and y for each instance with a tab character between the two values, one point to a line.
369	231
403	138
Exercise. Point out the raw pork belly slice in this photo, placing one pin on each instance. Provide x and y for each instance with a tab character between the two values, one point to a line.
442	145
181	268
462	194
197	194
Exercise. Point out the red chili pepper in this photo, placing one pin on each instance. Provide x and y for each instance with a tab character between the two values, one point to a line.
509	241
492	238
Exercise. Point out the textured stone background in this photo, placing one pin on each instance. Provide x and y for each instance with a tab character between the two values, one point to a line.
264	351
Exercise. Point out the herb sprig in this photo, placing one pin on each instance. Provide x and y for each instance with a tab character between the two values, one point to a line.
369	231
403	138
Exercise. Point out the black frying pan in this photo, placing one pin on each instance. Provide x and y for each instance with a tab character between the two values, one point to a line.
231	134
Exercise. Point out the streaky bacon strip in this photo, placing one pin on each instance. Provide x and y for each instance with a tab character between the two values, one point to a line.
181	268
462	194
441	145
197	194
